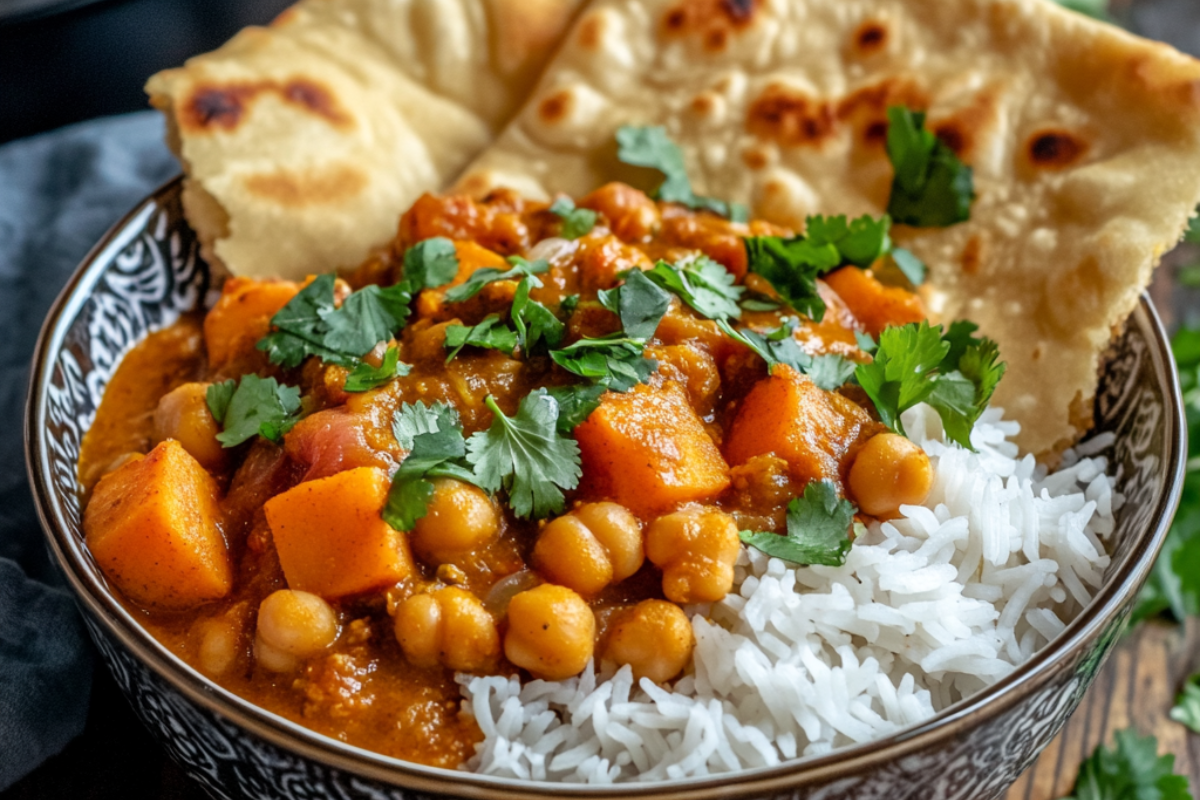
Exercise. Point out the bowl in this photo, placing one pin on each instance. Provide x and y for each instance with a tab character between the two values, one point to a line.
148	271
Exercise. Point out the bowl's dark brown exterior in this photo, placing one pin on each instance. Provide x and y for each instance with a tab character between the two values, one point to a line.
147	271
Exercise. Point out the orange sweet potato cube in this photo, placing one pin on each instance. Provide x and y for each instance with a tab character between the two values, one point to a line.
154	527
648	450
873	304
331	538
790	416
243	316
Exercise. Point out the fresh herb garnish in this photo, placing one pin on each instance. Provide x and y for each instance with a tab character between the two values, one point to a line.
437	449
703	284
865	342
792	266
1097	9
527	456
775	347
615	362
956	374
429	264
251	407
311	324
1132	770
1174	585
651	147
491	333
909	265
818	529
1187	704
639	302
365	377
932	188
520	268
576	222
535	323
575	404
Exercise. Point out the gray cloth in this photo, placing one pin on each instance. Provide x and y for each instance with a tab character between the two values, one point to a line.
59	193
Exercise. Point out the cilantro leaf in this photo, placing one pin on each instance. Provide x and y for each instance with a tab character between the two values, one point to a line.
703	284
912	267
520	268
575	404
932	188
651	147
429	264
615	362
534	322
904	370
1132	770
639	302
831	371
526	456
956	373
1187	704
818	529
256	406
576	222
1092	8
861	242
490	333
775	347
365	377
865	342
311	324
434	438
792	267
218	396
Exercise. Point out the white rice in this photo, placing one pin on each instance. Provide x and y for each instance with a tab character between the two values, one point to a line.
799	661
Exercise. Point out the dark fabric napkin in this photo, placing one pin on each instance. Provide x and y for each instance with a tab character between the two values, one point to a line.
59	193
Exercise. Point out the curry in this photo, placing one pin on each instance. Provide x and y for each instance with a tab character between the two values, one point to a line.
520	438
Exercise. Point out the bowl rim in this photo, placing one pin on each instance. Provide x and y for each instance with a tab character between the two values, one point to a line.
97	599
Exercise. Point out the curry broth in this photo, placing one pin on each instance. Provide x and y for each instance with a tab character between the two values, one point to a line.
362	690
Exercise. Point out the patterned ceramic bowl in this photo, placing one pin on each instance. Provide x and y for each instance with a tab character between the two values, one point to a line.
147	272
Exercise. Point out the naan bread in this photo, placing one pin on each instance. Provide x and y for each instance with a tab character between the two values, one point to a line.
303	142
1085	143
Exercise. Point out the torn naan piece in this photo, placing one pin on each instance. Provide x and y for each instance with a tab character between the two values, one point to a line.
303	142
1085	144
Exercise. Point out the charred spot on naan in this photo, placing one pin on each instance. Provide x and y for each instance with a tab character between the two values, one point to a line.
973	254
962	130
865	108
712	21
788	116
870	38
1055	149
555	108
225	105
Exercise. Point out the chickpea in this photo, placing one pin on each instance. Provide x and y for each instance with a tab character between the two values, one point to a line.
448	627
889	472
182	414
551	632
220	640
696	549
654	637
293	626
460	518
593	546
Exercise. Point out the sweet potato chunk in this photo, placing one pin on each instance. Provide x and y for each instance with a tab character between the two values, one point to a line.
154	527
243	316
648	451
874	305
331	538
813	430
